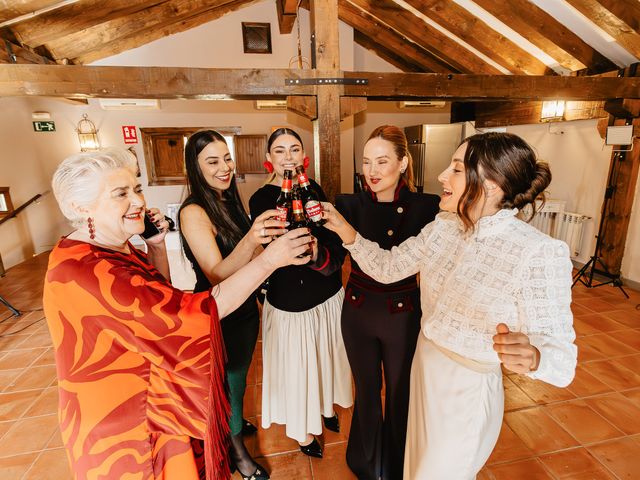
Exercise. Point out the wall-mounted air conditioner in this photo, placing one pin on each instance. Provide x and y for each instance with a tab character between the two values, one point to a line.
271	104
129	103
422	104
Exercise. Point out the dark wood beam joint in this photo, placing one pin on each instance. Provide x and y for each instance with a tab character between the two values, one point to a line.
304	105
351	105
12	56
622	108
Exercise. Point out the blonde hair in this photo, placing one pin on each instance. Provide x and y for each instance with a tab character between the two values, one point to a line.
74	180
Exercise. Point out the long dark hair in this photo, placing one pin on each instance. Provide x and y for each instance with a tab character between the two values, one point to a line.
507	160
223	207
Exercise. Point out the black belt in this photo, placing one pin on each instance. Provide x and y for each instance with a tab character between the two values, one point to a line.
364	281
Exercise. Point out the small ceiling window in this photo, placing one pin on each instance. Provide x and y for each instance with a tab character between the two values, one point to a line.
256	37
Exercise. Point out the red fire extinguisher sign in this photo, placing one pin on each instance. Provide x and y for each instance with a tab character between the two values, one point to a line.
130	134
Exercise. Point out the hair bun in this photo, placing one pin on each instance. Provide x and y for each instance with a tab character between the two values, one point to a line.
540	182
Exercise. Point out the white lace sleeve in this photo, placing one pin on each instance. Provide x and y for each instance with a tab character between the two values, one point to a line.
388	266
546	301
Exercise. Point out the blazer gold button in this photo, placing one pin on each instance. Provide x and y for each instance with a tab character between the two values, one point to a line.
400	210
353	297
389	232
400	305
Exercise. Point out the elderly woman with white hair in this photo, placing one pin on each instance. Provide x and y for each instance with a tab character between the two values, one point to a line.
140	363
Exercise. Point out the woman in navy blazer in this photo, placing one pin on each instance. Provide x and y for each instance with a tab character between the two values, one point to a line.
380	323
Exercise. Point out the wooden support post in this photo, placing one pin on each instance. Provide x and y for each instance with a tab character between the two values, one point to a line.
326	128
618	214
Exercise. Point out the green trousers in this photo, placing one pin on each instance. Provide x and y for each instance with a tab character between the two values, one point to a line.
240	333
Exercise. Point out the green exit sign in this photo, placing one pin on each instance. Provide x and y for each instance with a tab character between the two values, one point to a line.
48	126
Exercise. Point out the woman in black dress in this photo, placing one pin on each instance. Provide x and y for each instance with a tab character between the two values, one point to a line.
305	367
218	238
380	323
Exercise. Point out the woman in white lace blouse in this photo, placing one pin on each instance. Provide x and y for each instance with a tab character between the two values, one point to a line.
493	290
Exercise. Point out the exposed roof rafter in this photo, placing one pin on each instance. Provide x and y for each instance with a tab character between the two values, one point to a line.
548	34
480	36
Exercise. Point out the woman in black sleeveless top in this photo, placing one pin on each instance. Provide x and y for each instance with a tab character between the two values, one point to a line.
218	238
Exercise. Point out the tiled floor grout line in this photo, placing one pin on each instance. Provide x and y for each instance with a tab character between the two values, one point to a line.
24	475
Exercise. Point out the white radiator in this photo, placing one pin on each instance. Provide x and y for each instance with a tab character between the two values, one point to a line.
565	226
570	230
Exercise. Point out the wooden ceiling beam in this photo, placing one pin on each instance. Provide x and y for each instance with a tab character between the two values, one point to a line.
610	23
502	114
548	34
398	61
69	19
480	36
421	33
626	10
78	81
390	39
12	53
14	9
137	29
287	13
490	87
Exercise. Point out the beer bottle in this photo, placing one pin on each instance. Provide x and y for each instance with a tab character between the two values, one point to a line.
309	197
298	219
283	203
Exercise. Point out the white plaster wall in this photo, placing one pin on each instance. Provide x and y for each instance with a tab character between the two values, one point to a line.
23	168
631	260
579	164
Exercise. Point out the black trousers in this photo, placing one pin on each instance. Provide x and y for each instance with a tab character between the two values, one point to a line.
380	331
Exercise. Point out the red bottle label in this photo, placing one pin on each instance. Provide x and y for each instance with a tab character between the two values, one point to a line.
282	213
303	180
297	206
286	185
314	210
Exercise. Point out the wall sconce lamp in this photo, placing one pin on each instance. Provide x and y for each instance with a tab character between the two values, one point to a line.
552	110
87	135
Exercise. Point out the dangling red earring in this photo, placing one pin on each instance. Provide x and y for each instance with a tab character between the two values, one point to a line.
92	228
305	162
269	166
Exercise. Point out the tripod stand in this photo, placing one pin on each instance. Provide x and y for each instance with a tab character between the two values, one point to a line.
4	302
586	273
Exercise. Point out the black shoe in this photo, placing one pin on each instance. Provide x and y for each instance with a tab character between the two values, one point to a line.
332	423
313	449
259	474
248	428
239	456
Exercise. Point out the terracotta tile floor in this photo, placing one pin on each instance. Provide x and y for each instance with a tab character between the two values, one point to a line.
590	430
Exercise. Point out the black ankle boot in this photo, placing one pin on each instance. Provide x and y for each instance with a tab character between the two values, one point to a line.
332	423
241	460
313	449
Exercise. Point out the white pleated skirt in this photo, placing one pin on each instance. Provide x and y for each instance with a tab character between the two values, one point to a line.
455	413
305	367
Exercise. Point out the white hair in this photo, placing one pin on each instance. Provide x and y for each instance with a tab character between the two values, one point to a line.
74	181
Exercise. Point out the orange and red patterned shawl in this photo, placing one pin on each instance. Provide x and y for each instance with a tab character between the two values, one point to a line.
140	368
